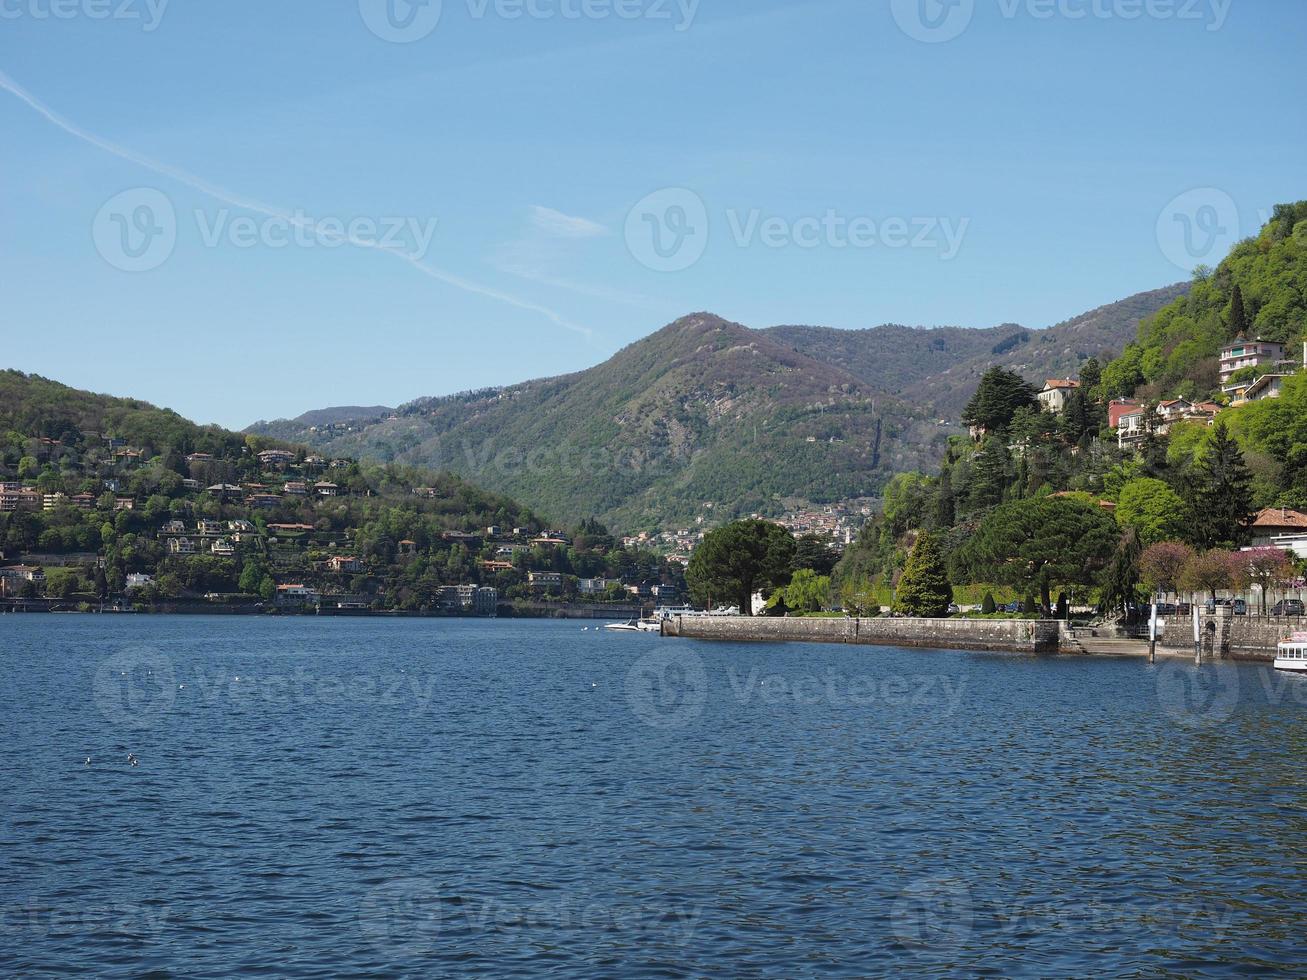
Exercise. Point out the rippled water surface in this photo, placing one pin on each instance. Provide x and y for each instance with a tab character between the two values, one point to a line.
427	797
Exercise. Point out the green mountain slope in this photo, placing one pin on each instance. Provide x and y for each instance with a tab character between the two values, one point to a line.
62	439
709	418
702	417
1176	351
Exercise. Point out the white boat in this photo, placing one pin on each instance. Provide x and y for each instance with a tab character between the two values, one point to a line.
1291	654
636	626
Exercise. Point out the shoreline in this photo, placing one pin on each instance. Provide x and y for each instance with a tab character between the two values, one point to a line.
1039	637
65	607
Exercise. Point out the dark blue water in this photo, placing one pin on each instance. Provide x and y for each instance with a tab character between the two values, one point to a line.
428	798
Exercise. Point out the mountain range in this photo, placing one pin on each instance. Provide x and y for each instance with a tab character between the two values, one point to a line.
708	418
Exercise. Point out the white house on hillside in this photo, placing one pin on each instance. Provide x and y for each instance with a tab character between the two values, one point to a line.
1055	393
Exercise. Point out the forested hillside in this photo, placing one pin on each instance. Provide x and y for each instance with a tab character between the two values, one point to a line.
1047	502
703	418
708	419
96	489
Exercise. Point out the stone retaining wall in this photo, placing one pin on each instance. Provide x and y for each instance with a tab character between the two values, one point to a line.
1022	636
1236	637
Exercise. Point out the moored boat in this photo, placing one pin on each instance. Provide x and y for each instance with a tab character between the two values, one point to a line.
1291	654
636	626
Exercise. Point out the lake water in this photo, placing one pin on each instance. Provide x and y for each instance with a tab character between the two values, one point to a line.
435	797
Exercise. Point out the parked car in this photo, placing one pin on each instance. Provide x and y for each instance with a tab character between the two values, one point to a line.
1289	607
1237	606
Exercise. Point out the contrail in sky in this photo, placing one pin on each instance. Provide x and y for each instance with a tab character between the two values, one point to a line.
298	221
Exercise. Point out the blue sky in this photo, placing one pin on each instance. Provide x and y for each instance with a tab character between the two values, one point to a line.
352	204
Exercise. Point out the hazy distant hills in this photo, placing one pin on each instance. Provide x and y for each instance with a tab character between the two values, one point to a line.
711	418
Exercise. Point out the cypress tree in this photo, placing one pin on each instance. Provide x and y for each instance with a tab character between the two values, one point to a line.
924	588
945	507
1238	317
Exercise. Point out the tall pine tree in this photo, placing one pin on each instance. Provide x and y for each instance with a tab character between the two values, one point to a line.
989	474
1220	493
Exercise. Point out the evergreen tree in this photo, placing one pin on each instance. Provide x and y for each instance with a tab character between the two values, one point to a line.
1040	543
1091	376
924	589
989	474
945	507
996	401
1153	448
1238	317
988	605
734	561
1221	497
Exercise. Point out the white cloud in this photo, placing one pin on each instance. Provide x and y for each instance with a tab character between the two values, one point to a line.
561	225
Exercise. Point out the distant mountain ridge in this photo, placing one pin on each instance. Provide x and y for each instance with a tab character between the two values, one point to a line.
707	418
944	364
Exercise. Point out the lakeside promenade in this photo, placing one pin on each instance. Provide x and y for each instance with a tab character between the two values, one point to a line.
1238	638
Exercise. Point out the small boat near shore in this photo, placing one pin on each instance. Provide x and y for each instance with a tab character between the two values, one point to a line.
636	626
1291	654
